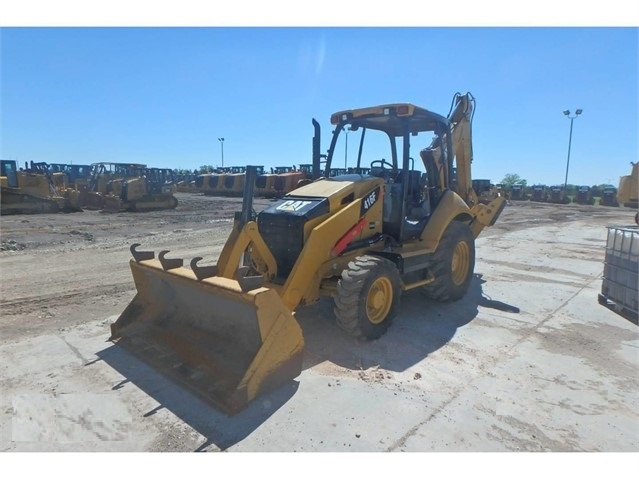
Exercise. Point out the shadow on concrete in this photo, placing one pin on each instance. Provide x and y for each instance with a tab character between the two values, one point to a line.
220	430
421	327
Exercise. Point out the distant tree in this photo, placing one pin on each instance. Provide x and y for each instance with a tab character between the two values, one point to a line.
513	179
206	169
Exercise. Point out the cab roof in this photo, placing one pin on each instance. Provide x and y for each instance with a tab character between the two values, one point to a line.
389	118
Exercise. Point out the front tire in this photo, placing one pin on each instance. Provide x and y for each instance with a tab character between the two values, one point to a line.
367	296
453	264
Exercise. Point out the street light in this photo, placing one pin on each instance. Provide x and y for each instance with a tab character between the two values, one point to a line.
221	140
572	118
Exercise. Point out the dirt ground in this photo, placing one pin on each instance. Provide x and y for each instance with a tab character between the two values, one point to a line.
58	270
83	258
64	277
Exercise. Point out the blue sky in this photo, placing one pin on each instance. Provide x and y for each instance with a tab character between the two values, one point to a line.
163	96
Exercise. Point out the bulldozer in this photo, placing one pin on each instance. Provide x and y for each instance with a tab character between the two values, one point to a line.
557	194
35	189
539	193
288	178
212	184
228	332
486	191
233	184
628	192
584	196
609	196
151	190
104	176
77	175
517	192
265	185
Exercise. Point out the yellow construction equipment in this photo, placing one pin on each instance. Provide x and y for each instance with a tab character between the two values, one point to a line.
186	182
628	192
287	178
151	190
228	331
233	184
265	185
212	184
486	191
105	176
35	189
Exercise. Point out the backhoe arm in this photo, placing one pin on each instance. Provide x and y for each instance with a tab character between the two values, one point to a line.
461	118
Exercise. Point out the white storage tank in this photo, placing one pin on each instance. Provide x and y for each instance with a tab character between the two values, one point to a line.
619	289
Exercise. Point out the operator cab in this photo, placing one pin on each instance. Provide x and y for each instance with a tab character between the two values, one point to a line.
9	170
410	194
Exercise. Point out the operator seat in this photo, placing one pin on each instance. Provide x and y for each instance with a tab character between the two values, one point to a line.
418	207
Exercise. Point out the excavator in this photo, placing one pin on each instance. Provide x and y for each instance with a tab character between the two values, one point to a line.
227	331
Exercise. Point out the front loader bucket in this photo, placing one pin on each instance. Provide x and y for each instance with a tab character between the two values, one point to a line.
225	340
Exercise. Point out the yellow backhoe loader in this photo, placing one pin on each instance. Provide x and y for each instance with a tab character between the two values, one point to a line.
228	330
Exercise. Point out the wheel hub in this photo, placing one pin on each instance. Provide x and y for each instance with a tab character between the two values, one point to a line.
460	263
379	300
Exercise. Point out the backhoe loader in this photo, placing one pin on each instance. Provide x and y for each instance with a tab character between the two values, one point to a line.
228	331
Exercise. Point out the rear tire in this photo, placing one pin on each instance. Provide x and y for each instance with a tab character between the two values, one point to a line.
453	264
367	297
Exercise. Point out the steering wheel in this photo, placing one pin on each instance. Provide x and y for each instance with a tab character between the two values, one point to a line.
382	162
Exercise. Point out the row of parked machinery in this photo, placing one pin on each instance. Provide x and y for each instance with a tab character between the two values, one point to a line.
106	186
584	195
627	194
230	181
274	183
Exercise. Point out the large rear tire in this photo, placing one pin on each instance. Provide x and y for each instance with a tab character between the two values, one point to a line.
453	264
367	296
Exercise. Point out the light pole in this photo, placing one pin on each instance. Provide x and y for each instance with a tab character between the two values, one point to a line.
572	118
221	140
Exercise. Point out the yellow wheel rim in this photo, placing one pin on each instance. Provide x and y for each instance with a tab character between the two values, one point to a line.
379	300
460	263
